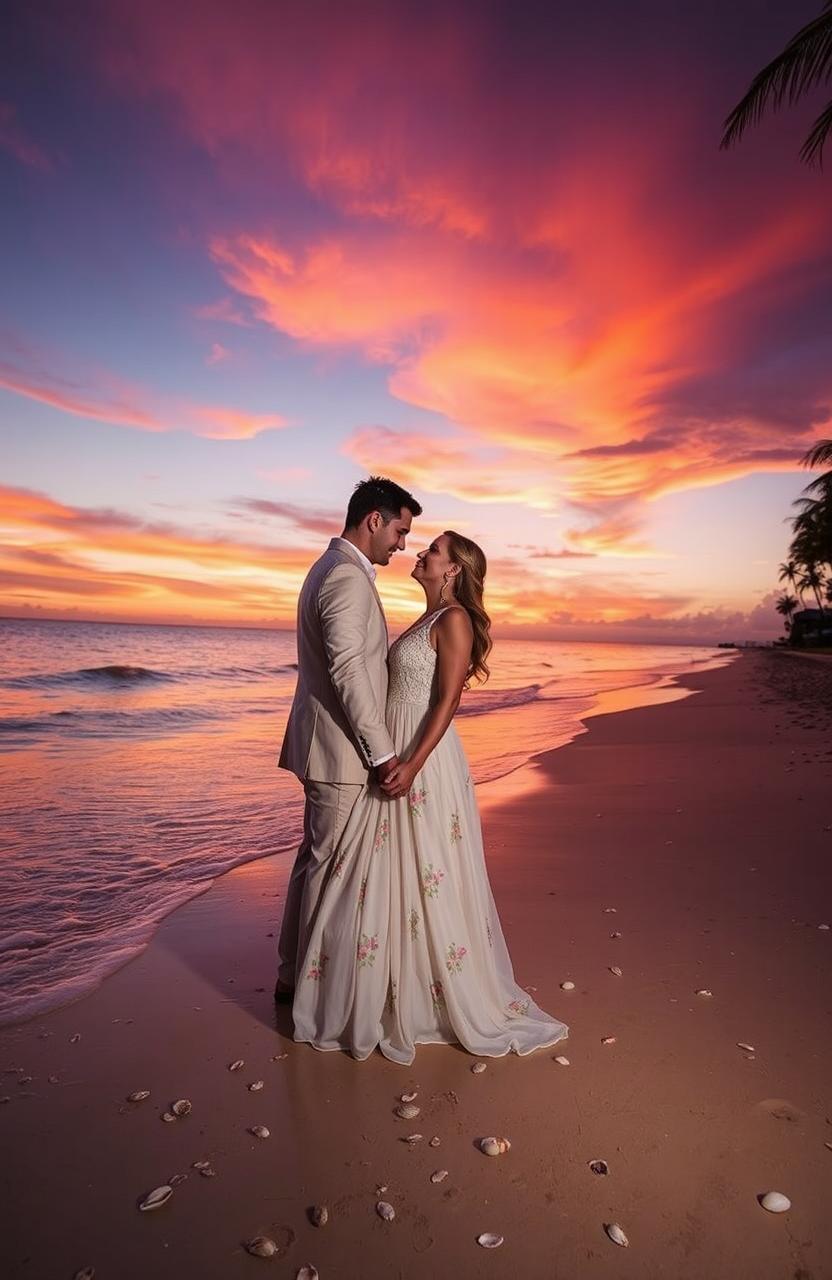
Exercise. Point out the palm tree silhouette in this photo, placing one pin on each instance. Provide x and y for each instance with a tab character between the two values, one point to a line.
786	605
805	62
790	572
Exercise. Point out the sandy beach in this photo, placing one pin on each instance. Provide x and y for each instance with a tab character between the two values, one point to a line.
700	831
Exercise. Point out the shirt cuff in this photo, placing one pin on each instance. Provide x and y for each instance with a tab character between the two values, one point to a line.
383	759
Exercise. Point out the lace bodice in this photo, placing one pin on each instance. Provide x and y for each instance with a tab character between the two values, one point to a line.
412	662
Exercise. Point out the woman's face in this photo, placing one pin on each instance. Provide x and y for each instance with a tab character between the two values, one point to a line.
433	563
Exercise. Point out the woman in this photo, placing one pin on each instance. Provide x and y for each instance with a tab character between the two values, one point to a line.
407	947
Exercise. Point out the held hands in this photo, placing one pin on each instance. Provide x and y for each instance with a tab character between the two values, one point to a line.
399	780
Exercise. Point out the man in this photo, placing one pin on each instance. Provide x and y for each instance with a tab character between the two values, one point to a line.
336	739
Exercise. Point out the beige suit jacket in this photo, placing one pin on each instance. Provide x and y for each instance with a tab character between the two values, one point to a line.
336	726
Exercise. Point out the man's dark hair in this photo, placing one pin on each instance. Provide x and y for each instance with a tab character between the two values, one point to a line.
379	494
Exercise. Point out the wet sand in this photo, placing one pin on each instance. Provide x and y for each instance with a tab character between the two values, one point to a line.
706	824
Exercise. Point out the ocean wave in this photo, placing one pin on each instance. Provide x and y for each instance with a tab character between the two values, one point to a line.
482	701
121	676
104	723
116	675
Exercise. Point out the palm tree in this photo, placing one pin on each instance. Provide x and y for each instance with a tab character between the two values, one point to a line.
790	572
786	605
806	61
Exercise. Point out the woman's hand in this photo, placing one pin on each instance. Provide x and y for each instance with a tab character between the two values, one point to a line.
399	780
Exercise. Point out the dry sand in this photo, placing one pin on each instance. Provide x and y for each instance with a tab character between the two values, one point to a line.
707	825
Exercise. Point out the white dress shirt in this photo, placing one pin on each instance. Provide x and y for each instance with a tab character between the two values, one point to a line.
345	545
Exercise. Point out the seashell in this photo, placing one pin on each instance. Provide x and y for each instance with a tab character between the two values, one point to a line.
235	1066
380	1191
749	1048
775	1202
176	1179
610	910
616	1234
495	1146
259	1131
599	1166
255	1086
607	1039
208	1172
615	934
168	1117
567	986
563	1062
319	1215
74	1039
412	1139
182	1107
408	1097
407	1111
823	926
139	1095
156	1198
261	1247
489	1241
278	1057
86	1273
307	1272
201	1164
434	1142
385	1211
439	1176
703	991
478	1068
615	969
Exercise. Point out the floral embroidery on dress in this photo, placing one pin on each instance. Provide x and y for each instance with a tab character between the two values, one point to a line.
517	1008
381	835
456	830
362	892
413	921
416	800
339	863
366	950
437	994
431	880
317	968
454	958
392	996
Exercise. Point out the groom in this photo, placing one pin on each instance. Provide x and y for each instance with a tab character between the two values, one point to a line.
336	738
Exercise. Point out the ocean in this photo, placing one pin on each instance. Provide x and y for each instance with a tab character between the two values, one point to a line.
138	763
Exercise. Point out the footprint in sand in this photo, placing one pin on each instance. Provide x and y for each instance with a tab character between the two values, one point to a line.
782	1109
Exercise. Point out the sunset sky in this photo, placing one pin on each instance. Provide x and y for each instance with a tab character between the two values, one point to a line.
253	251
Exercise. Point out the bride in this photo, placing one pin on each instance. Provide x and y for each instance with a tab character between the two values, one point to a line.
407	946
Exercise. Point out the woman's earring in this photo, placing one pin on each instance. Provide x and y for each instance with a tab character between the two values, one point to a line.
442	592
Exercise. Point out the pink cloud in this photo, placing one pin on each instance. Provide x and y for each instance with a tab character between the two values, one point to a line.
104	397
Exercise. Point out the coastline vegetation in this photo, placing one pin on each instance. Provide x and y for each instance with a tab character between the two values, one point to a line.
807	569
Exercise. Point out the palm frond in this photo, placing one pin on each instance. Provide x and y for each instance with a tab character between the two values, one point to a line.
805	61
820	453
812	149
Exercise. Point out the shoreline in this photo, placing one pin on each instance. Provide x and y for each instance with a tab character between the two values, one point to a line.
658	813
664	687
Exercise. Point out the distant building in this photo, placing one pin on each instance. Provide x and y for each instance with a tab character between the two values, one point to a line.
811	626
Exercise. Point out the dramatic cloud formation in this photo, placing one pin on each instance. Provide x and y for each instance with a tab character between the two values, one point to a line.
494	252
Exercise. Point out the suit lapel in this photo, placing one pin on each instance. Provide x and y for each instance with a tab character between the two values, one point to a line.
350	559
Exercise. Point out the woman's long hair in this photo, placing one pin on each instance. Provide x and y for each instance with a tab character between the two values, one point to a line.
470	583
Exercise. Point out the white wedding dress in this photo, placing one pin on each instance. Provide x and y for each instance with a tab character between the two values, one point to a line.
407	947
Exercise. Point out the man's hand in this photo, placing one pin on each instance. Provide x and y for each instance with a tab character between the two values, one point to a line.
399	780
383	771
